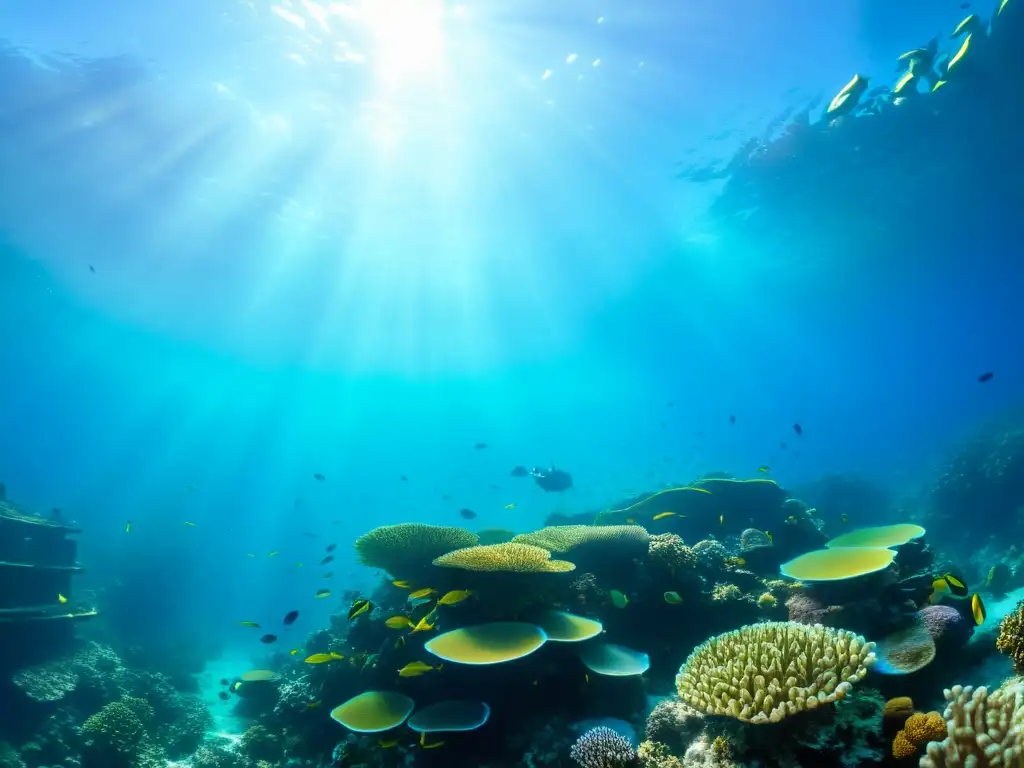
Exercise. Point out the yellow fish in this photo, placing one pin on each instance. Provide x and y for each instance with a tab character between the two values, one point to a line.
672	598
236	686
425	592
978	609
955	585
388	744
249	624
337	656
319	658
768	534
764	470
294	651
423	742
399	622
510	506
402	583
663	515
454	597
721	519
273	553
619	600
190	524
630	520
416	668
322	593
128	527
298	565
61	599
359	607
312	704
424	625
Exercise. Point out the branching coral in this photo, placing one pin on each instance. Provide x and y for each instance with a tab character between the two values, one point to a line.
116	735
408	547
654	754
1011	637
984	728
726	592
510	558
603	748
565	538
765	672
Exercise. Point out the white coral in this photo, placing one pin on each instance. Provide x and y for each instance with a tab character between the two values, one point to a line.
984	728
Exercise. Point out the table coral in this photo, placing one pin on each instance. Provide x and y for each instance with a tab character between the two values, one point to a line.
984	728
765	672
409	547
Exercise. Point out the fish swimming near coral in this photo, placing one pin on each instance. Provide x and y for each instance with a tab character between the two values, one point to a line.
454	597
552	480
663	515
359	607
467	514
399	622
326	560
672	598
253	624
978	609
319	658
290	617
322	593
425	592
619	600
956	585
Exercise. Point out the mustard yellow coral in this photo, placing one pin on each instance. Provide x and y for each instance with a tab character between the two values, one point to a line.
509	557
918	731
1011	637
902	746
654	754
565	538
407	547
765	672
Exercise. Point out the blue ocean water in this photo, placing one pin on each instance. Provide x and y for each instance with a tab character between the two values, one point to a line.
244	243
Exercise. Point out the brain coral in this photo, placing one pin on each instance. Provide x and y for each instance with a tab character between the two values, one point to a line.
408	547
947	626
765	672
510	557
565	538
1011	637
984	728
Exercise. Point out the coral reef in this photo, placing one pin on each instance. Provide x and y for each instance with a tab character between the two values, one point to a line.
918	730
603	748
984	728
512	557
408	548
116	735
766	672
1011	637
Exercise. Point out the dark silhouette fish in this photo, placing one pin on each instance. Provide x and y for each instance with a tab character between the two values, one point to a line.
467	514
732	419
519	471
268	639
331	547
327	559
224	695
798	429
552	480
318	477
479	446
290	617
986	376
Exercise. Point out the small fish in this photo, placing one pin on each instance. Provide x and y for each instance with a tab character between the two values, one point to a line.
434	745
479	446
416	668
987	376
224	681
454	597
424	625
721	519
319	658
519	471
322	593
128	527
764	470
425	592
738	562
273	553
389	743
253	624
236	686
400	642
294	651
732	419
331	547
224	696
956	584
359	607
768	534
92	269
663	515
404	479
326	560
619	600
61	599
467	514
672	598
318	477
843	518
630	520
782	446
328	575
290	617
402	583
298	564
268	639
977	609
798	429
510	506
189	523
399	622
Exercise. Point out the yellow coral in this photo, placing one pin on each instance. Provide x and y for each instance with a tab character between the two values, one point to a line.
407	547
765	672
767	601
723	592
510	557
565	538
721	748
902	746
654	754
918	731
1011	637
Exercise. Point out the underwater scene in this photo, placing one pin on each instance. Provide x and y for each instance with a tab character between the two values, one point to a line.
521	384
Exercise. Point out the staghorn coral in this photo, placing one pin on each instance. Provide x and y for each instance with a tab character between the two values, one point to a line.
918	730
603	748
666	550
408	547
765	672
984	728
726	592
510	558
565	538
1011	637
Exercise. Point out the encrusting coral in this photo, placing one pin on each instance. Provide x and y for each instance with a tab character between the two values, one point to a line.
1011	637
510	558
407	547
984	728
765	672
